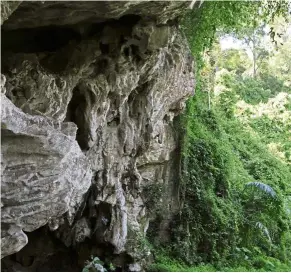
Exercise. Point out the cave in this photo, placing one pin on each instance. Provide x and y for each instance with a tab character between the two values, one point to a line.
44	252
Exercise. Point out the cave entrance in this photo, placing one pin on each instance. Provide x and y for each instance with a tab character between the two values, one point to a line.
44	252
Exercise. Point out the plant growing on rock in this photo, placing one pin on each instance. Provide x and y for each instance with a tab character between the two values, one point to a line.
95	265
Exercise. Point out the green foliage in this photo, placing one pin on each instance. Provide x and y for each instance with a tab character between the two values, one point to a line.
201	25
152	196
233	60
164	263
252	262
208	211
95	265
254	91
222	211
138	244
263	187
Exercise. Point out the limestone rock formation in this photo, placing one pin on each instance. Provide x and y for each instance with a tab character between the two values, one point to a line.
90	93
44	173
7	9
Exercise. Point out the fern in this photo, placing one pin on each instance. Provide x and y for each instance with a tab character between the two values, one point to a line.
263	187
264	229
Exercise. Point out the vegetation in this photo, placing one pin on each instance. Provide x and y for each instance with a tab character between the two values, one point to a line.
96	265
236	191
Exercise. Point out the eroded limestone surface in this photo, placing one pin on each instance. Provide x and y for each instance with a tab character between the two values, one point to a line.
88	131
44	173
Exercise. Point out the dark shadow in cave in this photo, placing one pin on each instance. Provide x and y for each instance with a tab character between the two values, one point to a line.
52	38
76	113
43	253
99	218
41	39
46	253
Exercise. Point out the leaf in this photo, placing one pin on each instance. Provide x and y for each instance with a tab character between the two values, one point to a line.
246	250
263	187
264	229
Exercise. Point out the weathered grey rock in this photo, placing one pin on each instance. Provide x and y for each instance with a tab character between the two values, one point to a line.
122	83
134	267
126	125
2	83
7	8
31	14
44	173
13	239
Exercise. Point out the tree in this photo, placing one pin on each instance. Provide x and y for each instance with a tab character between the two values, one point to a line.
280	62
235	60
253	38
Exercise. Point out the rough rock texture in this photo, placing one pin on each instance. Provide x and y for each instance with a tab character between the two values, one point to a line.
44	174
88	131
7	9
33	14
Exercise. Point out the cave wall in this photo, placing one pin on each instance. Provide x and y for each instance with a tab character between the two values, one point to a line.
89	95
